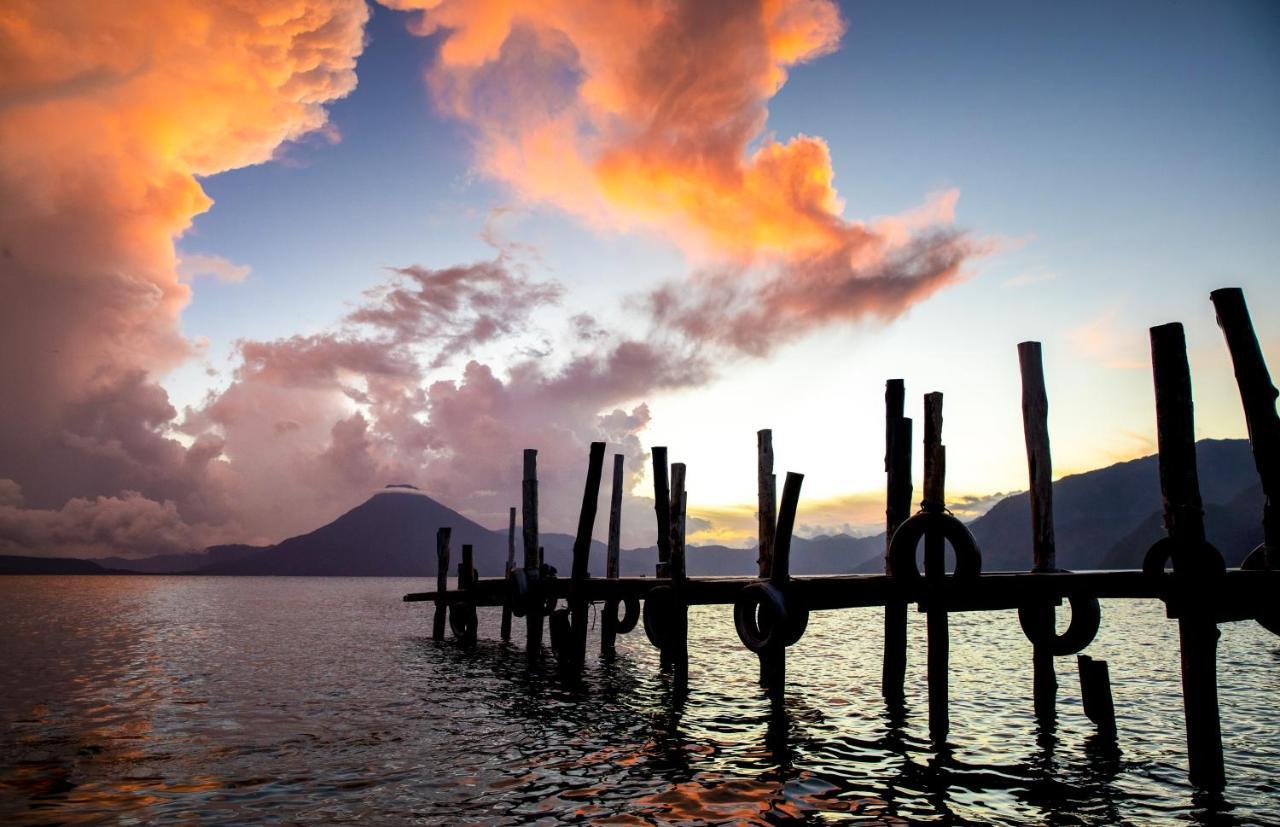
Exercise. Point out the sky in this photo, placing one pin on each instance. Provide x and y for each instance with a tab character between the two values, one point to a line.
261	259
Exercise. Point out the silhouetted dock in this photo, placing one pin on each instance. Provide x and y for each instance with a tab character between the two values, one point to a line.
771	611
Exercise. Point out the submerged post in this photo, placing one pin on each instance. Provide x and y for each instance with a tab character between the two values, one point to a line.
532	556
1095	694
582	554
662	507
772	662
1184	522
897	466
511	564
442	582
612	566
1258	395
935	553
1035	430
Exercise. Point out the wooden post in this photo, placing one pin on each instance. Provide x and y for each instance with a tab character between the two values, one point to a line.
678	651
608	623
442	582
511	564
1259	397
771	662
1035	431
532	553
662	506
935	556
774	670
897	466
582	554
466	582
1095	694
1184	521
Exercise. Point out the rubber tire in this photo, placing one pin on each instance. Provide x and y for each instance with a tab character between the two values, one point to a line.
788	619
1086	617
518	592
462	621
1208	559
630	613
902	548
656	615
1256	560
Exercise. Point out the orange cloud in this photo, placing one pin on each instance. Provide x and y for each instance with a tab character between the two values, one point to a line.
108	113
631	114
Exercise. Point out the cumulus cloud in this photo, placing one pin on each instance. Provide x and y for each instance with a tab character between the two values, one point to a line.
192	266
633	114
310	424
108	113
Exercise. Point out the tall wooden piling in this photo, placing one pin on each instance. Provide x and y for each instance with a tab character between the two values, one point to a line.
772	662
897	466
1258	395
511	564
612	566
935	559
1035	430
775	678
532	553
442	582
1184	522
466	583
677	651
662	508
582	554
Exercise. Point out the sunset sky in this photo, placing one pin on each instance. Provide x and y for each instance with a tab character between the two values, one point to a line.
262	258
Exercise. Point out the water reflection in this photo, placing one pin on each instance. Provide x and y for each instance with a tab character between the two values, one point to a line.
324	701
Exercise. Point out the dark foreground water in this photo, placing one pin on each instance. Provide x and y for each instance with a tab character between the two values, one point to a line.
247	700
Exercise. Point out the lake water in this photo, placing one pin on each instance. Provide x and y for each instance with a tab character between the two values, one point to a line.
249	700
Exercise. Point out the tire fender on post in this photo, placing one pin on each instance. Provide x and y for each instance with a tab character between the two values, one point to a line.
766	618
1037	625
902	548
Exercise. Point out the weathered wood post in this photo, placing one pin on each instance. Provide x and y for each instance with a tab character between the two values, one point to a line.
1258	395
775	680
1035	429
771	662
935	558
532	553
511	564
1184	522
582	555
609	621
897	466
466	582
1095	694
677	652
442	582
662	507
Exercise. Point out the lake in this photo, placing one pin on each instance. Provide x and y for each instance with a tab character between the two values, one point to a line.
238	700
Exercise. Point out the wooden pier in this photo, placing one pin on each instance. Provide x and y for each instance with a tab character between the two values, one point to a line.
771	610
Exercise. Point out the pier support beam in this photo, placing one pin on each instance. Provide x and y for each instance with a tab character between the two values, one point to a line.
532	553
897	466
511	564
773	663
1035	429
442	582
608	624
935	559
578	605
1184	521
